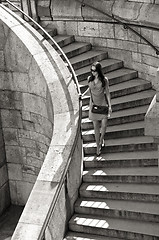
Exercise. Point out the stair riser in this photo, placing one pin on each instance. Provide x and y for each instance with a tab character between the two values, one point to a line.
89	61
115	135
122	148
110	232
121	179
120	196
121	163
115	213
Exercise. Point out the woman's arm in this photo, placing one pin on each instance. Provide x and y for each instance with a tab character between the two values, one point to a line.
108	96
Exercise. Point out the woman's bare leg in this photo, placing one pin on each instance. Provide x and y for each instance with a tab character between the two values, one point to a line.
103	130
96	125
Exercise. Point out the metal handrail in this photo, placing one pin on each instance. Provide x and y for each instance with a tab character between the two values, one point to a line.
54	42
126	25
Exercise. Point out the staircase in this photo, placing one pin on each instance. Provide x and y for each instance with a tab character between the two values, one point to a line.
119	195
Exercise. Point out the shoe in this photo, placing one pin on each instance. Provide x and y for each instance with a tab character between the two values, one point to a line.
99	152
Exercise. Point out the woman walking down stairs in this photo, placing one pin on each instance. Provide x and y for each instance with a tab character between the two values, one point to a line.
119	195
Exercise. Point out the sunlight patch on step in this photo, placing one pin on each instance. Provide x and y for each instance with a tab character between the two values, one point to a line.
94	204
97	188
91	222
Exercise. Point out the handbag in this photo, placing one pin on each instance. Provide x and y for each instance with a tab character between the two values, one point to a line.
99	109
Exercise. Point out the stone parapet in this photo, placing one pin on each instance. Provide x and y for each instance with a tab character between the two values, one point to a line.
41	126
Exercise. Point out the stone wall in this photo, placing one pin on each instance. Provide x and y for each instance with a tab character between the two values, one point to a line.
4	183
121	43
25	106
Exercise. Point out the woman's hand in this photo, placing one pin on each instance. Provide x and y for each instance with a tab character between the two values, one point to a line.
109	111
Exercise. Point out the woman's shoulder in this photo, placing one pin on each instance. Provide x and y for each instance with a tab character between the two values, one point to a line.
106	80
88	78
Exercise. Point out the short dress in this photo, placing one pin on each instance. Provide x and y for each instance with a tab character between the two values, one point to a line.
97	92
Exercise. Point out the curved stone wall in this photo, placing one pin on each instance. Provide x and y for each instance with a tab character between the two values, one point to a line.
41	126
26	107
121	43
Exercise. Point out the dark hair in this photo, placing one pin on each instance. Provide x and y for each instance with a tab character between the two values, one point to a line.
98	68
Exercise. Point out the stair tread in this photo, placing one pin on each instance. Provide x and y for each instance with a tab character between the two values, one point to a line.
123	156
59	37
133	171
125	225
123	141
120	127
84	56
121	187
135	206
84	236
128	84
74	46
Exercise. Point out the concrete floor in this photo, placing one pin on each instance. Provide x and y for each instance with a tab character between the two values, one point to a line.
8	221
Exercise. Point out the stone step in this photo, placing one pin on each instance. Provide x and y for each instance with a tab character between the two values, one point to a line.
119	117
115	76
114	227
84	236
75	49
129	87
121	191
122	175
125	88
143	211
51	31
125	102
117	131
87	58
121	160
64	40
122	145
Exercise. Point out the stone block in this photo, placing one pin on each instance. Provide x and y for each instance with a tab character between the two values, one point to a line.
15	53
35	104
37	84
88	29
15	171
20	191
11	118
4	197
24	142
11	136
3	175
106	30
15	154
2	62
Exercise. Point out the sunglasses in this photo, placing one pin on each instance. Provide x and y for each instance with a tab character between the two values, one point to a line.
93	70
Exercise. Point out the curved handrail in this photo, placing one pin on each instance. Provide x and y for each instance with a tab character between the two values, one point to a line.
54	42
126	25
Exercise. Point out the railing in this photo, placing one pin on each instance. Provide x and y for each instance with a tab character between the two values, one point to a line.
118	21
54	43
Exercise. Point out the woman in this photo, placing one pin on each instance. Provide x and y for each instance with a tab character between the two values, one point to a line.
100	95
